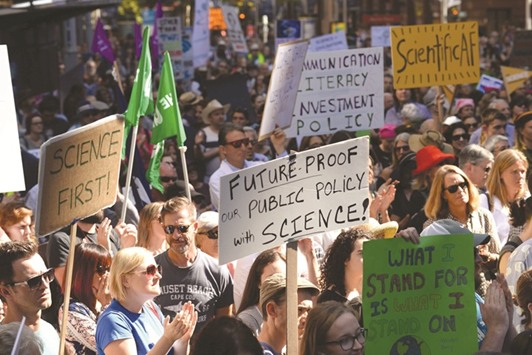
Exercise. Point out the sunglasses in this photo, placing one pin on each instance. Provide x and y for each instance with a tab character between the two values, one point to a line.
171	229
453	188
238	143
404	148
460	137
168	178
211	234
37	281
153	269
102	269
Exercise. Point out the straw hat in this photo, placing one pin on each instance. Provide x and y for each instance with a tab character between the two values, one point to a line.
379	230
189	99
277	282
435	138
211	107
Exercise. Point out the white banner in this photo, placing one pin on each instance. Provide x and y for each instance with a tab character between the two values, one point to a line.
170	39
340	90
289	198
200	33
12	178
330	42
284	83
234	30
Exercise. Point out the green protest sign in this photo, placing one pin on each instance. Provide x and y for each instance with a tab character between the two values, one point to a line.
419	299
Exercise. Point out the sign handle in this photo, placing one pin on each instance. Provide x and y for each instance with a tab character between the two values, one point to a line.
129	170
291	298
440	109
68	285
182	151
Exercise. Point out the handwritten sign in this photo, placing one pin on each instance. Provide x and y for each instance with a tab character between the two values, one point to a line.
427	55
514	78
283	88
234	30
200	33
78	173
419	298
335	41
10	159
340	90
169	34
289	198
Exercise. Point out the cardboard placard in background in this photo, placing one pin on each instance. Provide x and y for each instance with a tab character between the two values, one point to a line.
12	178
335	41
234	30
489	83
289	198
514	78
78	173
440	54
420	298
339	90
284	84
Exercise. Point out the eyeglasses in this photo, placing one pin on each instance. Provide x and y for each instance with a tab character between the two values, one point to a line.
171	229
211	234
238	143
102	269
404	148
37	281
453	188
168	178
348	342
460	137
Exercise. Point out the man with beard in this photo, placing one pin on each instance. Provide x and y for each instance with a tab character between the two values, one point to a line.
188	273
93	229
25	287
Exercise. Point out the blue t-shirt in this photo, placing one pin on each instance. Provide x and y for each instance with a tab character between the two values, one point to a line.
117	323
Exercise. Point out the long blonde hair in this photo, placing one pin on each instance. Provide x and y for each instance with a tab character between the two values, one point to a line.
494	184
147	215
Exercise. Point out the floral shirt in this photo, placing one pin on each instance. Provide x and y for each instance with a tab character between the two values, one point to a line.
81	328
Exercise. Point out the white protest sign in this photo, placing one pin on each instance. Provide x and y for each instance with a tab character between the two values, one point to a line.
201	33
12	178
289	198
488	83
78	173
234	30
283	87
170	39
330	42
380	36
340	90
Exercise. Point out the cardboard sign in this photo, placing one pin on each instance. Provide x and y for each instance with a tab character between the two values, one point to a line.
234	30
330	42
78	173
12	178
200	33
441	54
283	88
289	198
514	78
489	83
340	90
380	36
419	298
169	34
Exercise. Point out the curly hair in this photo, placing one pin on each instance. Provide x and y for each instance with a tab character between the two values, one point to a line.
523	290
333	266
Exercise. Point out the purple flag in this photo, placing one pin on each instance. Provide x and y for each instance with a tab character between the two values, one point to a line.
154	41
101	44
138	39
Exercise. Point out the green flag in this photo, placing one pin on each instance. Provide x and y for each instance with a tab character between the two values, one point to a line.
152	175
167	121
141	102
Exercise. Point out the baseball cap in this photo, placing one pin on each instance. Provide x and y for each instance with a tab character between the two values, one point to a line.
277	282
449	226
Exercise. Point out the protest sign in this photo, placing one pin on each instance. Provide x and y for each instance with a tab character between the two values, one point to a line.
287	31
489	83
78	173
289	198
170	40
234	30
420	298
440	54
514	78
340	90
380	36
330	42
283	88
12	178
522	50
200	33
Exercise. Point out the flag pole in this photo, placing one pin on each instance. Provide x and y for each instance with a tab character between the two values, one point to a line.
182	151
132	146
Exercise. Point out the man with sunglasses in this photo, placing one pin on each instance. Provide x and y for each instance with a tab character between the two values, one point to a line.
25	287
233	144
188	273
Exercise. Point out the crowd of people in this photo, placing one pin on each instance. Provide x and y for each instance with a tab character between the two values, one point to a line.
152	284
